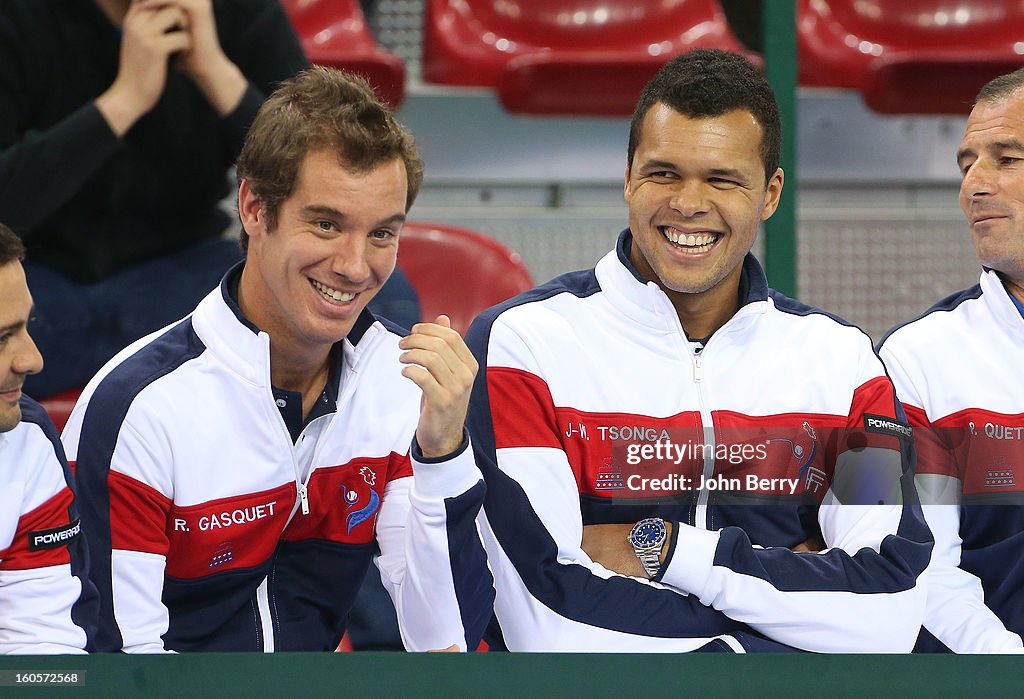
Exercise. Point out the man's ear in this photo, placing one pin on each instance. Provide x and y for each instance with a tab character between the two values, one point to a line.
773	194
250	210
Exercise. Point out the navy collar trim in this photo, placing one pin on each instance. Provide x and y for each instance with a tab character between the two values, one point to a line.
1016	302
329	398
623	248
362	324
229	292
753	282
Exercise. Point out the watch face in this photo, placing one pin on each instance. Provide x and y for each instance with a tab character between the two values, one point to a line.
648	533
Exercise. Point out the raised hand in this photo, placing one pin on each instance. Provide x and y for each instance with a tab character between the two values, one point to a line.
216	76
444	369
151	32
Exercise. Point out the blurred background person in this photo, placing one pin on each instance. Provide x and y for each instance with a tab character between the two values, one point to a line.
119	122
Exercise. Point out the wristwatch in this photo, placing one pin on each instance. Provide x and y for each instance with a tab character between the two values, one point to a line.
647	538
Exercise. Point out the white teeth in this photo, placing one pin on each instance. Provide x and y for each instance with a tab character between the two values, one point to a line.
333	294
691	240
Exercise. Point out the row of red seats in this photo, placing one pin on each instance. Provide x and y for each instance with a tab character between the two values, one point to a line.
912	56
334	33
589	57
592	57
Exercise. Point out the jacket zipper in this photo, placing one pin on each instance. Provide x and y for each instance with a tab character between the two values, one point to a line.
700	515
301	487
348	386
266	621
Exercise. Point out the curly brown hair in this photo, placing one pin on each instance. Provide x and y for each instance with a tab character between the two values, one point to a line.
11	247
321	109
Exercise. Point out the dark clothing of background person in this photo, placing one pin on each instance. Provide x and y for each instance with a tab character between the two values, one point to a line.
124	235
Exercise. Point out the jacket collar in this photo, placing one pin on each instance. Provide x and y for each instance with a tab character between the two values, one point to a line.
645	302
1001	305
245	349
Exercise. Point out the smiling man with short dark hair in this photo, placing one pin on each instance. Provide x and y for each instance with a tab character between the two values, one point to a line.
811	538
243	467
47	604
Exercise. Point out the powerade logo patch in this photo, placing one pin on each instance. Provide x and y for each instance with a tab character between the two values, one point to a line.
53	538
887	425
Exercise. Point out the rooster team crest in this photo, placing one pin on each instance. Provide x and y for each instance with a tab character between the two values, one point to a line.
369	477
360	508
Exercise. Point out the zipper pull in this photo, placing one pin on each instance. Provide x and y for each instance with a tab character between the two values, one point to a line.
303	498
698	369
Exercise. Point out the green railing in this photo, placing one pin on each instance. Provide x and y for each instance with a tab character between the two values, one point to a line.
489	675
780	65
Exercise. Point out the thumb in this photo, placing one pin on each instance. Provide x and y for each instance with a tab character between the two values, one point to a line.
444	321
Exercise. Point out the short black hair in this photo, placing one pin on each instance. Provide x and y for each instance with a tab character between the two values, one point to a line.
1002	87
709	83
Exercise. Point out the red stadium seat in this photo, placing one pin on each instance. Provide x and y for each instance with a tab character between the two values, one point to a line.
459	272
334	33
912	56
59	407
578	57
